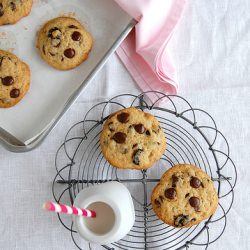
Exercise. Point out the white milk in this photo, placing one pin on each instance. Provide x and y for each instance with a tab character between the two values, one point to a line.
115	216
104	221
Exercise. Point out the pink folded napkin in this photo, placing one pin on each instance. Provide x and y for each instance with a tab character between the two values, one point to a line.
144	51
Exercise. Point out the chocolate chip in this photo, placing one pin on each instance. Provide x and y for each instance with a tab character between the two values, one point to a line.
174	180
14	93
51	31
170	193
187	195
139	128
7	80
1	9
135	145
72	27
194	202
157	203
148	132
76	36
70	53
195	182
12	6
181	220
193	219
123	117
136	156
202	185
119	137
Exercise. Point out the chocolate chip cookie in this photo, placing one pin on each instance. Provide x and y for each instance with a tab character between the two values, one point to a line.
184	197
11	11
132	139
14	79
64	43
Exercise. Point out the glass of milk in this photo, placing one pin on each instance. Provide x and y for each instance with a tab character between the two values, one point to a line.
115	214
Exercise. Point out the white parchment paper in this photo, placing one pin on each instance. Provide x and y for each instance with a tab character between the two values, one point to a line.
51	88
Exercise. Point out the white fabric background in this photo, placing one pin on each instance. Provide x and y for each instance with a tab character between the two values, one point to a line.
211	50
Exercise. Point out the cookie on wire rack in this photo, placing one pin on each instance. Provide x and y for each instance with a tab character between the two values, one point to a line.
184	196
132	139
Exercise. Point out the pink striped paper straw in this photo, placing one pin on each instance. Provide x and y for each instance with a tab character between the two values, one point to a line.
61	208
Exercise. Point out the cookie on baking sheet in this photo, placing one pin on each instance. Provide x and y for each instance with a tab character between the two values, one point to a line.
11	11
64	43
184	196
132	139
14	79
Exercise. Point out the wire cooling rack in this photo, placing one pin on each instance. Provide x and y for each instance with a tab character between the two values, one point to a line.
192	138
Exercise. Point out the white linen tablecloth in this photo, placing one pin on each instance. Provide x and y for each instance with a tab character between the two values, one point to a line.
211	50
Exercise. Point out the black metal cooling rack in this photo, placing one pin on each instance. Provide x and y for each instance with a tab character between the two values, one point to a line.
192	138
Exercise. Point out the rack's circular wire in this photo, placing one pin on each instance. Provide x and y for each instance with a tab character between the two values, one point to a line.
192	138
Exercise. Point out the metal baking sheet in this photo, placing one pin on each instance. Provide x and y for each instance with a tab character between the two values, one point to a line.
52	92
